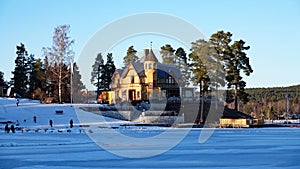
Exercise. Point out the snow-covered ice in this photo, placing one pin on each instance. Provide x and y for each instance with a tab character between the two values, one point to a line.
60	147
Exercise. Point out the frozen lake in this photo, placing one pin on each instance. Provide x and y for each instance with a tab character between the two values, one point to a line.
227	148
57	148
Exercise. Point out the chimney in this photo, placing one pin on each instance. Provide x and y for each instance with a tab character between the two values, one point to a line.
146	52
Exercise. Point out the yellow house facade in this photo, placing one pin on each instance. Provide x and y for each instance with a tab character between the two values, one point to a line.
145	79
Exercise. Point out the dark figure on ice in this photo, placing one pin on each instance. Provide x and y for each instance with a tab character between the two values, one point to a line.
17	123
12	128
6	128
34	119
17	102
71	123
51	123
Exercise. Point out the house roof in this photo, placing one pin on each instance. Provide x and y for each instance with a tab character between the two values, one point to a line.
234	114
151	56
165	69
120	71
139	68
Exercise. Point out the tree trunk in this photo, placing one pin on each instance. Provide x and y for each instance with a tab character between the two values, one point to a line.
202	101
59	79
98	83
235	99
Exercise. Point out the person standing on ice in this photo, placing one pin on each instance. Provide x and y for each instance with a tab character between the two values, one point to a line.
51	123
12	128
17	102
34	119
6	128
17	123
71	123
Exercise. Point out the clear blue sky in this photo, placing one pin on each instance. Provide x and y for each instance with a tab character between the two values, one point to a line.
270	27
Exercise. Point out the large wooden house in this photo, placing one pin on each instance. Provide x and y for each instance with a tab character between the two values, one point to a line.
145	79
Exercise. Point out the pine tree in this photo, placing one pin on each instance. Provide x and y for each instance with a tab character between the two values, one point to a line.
98	73
167	53
39	78
30	73
77	85
109	69
66	81
3	84
130	56
198	52
182	65
39	75
20	79
235	60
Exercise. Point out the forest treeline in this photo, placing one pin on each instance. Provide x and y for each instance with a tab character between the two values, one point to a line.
271	103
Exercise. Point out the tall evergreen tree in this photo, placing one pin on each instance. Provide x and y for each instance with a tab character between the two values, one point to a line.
167	53
181	62
235	60
109	71
130	56
200	72
211	61
3	84
98	73
39	75
39	79
30	73
66	84
57	56
78	86
20	80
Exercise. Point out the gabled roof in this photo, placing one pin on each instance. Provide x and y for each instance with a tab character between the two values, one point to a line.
120	71
165	69
151	56
138	67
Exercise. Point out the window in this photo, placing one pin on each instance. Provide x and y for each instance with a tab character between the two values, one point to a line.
132	79
170	79
150	65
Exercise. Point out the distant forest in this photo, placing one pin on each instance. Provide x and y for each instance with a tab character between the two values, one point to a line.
271	103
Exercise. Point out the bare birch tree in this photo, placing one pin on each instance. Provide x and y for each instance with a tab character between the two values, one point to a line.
60	54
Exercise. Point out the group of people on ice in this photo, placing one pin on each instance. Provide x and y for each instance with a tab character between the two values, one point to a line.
51	123
12	128
8	129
